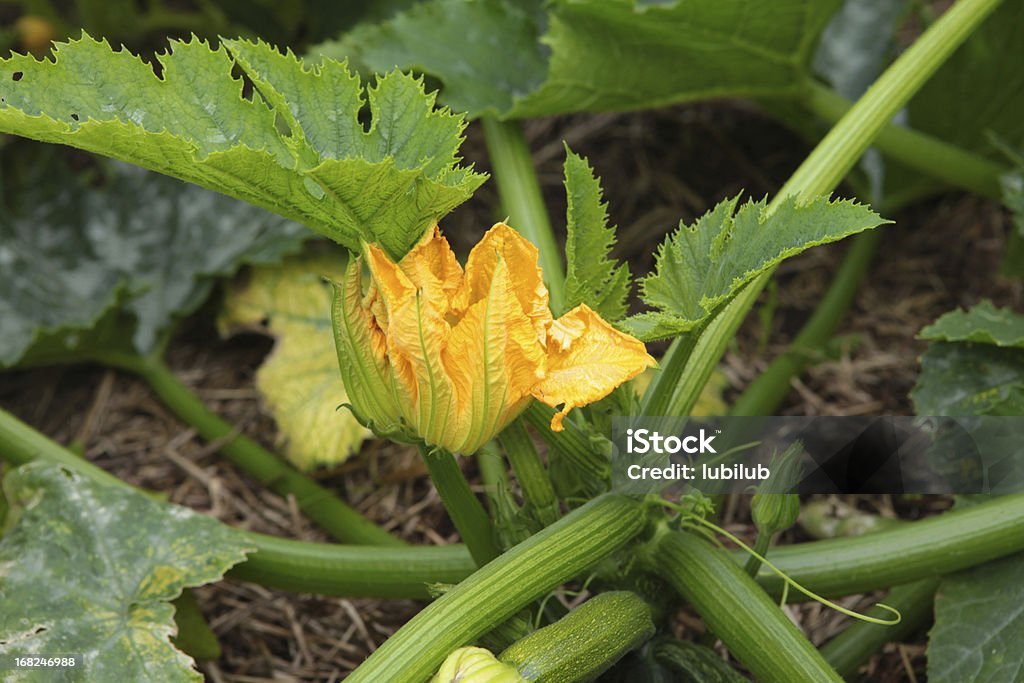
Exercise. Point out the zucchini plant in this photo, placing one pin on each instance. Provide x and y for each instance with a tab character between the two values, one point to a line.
387	334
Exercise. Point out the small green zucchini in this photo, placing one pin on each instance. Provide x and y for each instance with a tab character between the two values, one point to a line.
585	643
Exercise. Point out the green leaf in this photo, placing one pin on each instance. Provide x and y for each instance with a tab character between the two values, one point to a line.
295	145
299	381
970	379
508	58
983	323
91	569
592	278
111	267
700	267
486	51
979	90
979	625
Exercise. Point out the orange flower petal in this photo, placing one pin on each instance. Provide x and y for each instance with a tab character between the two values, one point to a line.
587	359
493	358
431	266
504	243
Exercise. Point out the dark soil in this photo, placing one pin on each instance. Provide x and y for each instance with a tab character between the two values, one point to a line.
657	168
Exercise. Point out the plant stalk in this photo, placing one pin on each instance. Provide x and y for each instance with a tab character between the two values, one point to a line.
761	546
321	505
499	590
732	605
533	478
657	400
571	443
830	161
466	512
923	153
849	650
521	199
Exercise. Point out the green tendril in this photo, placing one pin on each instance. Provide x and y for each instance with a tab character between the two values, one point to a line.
699	524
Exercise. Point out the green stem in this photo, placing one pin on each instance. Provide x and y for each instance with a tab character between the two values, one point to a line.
533	478
195	637
909	552
771	387
321	505
492	470
328	569
466	512
521	199
921	152
732	605
657	399
761	547
500	589
831	160
848	651
571	443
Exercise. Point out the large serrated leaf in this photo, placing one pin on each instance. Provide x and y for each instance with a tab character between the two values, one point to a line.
594	55
979	625
296	146
91	569
299	382
982	323
110	267
592	278
700	267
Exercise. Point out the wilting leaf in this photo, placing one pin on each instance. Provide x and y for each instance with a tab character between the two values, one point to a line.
297	146
979	625
592	278
91	569
300	381
516	60
982	323
109	268
699	267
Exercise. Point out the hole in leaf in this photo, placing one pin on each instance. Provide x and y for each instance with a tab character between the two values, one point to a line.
16	76
74	116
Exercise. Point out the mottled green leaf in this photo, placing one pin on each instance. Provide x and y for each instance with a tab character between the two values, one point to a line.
91	569
594	55
979	625
487	52
970	379
110	267
294	145
699	267
299	381
592	277
982	323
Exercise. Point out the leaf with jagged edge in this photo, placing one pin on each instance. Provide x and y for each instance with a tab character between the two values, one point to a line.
91	569
523	59
295	146
982	323
299	381
592	278
109	267
700	267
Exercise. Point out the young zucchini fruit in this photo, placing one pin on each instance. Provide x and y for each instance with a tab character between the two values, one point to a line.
585	643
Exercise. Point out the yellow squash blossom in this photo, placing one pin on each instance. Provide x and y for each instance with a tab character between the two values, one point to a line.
452	356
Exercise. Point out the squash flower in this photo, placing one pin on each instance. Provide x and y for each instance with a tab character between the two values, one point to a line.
452	356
